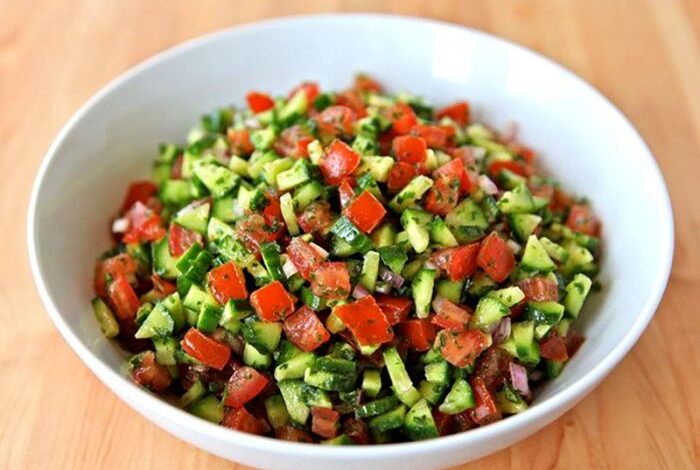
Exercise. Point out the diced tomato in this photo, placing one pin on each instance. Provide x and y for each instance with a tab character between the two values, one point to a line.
293	142
240	419
292	434
121	264
272	302
253	230
519	168
443	196
395	309
259	102
357	430
458	263
338	161
367	83
463	421
316	218
443	422
458	112
239	140
493	367
324	421
181	239
574	340
419	333
227	282
305	330
539	288
561	201
435	137
402	118
162	287
365	211
304	257
366	321
400	175
245	384
455	169
353	100
123	298
581	219
553	347
336	121
542	189
410	149
310	88
150	374
496	258
345	192
139	191
465	154
450	316
331	281
205	349
145	225
460	349
485	411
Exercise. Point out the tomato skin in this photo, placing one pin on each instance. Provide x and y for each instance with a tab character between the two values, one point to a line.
353	100
240	419
239	140
311	90
336	121
316	218
395	309
365	211
205	349
485	411
150	374
121	264
304	257
367	84
345	192
455	169
123	298
539	289
181	239
459	262
139	191
305	330
145	225
419	333
410	149
331	281
443	422
553	347
402	117
400	175
162	287
366	321
435	137
338	161
324	421
292	434
496	258
458	112
293	142
443	196
357	430
581	219
254	230
227	282
272	302
461	348
259	102
516	167
245	384
450	316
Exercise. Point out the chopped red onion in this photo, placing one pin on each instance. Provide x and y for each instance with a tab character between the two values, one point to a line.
289	268
518	377
120	225
319	250
515	246
502	331
429	265
391	277
383	288
487	185
360	292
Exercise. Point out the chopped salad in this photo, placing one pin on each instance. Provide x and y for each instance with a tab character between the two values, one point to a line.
347	267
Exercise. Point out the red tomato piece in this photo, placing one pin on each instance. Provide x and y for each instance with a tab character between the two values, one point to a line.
485	411
331	281
419	333
514	166
357	430
259	102
539	289
304	257
345	192
443	422
458	112
205	349
239	140
245	384
365	211
400	175
310	89
253	230
581	219
353	100
460	349
181	239
162	287
496	258
553	347
292	434
176	170
227	282
272	302
410	149
305	330
402	118
336	121
338	161
443	196
395	309
139	191
366	321
324	421
150	374
458	263
367	84
455	169
293	142
316	218
450	316
145	225
435	137
108	269
240	419
123	298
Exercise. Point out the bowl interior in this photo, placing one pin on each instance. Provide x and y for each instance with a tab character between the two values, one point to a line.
583	141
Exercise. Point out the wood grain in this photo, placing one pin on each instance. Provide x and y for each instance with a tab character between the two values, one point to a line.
54	54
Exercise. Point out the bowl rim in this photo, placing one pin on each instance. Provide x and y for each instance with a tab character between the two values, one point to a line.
552	406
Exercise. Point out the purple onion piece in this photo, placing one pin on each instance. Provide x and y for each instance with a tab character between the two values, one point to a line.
360	292
391	277
502	331
518	377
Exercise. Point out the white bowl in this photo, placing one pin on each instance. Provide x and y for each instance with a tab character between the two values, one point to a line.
583	139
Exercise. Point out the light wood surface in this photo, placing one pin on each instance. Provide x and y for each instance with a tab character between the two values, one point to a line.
54	54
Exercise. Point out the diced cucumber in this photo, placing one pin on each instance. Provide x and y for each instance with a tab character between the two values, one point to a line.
394	257
217	229
350	234
489	311
223	209
481	284
516	201
576	292
378	167
164	264
522	342
509	401
535	257
384	236
419	423
342	440
438	372
508	296
450	290
239	166
509	180
400	380
329	381
256	359
371	382
297	105
165	347
265	336
208	319
544	313
377	407
312	396
315	151
106	319
422	289
556	252
294	367
297	174
467	221
411	194
440	234
218	179
290	218
431	392
271	257
194	217
232	316
390	420
196	391
306	194
523	225
370	270
459	398
158	323
197	298
580	259
209	408
276	411
262	139
175	192
416	223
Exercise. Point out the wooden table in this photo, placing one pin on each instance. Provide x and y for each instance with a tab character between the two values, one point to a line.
54	54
